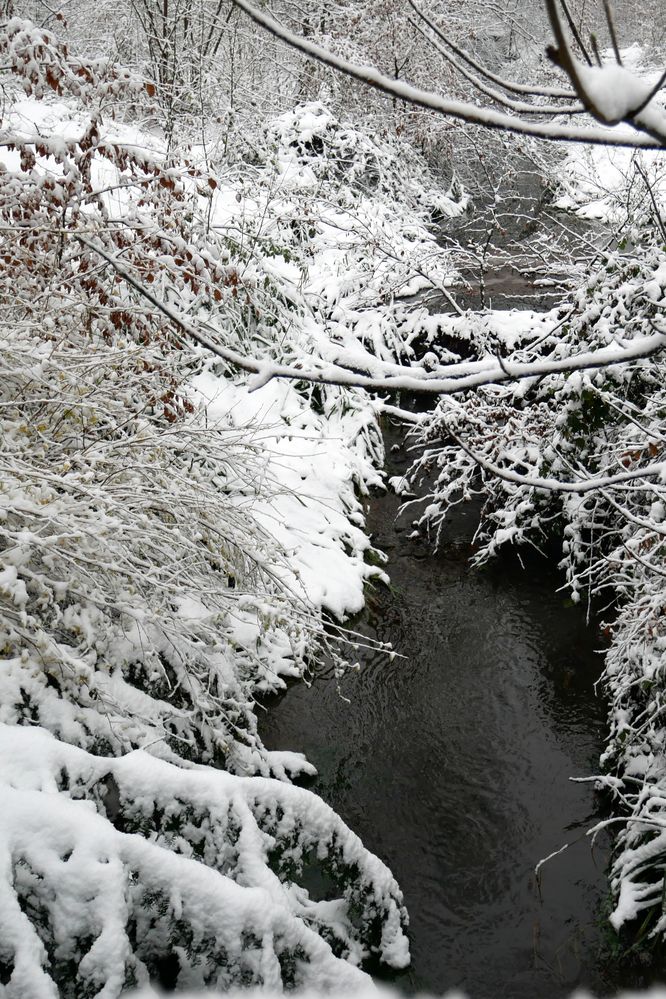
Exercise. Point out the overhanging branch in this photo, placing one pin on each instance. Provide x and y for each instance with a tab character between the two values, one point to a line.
461	110
348	368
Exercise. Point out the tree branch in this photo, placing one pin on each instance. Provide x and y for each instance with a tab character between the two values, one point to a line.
445	380
461	110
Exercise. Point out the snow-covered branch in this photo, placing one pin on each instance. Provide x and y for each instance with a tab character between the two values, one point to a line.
648	125
363	370
611	93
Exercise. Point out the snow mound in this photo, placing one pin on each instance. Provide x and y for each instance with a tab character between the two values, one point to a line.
112	866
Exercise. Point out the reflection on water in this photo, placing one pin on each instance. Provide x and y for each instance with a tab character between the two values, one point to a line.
453	765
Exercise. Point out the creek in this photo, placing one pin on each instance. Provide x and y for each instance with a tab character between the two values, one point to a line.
453	764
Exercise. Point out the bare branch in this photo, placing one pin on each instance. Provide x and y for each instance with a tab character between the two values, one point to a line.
516	88
611	31
575	32
522	107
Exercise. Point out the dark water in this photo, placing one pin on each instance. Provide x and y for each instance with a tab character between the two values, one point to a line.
515	250
453	765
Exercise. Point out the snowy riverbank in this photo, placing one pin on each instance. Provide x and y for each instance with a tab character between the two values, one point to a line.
172	542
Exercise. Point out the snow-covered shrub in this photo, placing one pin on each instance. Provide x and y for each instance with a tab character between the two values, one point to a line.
332	149
343	255
145	592
119	871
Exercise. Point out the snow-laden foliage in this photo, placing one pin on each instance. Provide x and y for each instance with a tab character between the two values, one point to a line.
139	596
579	458
340	219
169	541
116	869
138	590
332	149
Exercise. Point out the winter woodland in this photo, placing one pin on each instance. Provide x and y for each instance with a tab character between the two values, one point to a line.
220	241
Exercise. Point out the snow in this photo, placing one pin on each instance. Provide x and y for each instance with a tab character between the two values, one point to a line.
614	91
596	181
313	463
